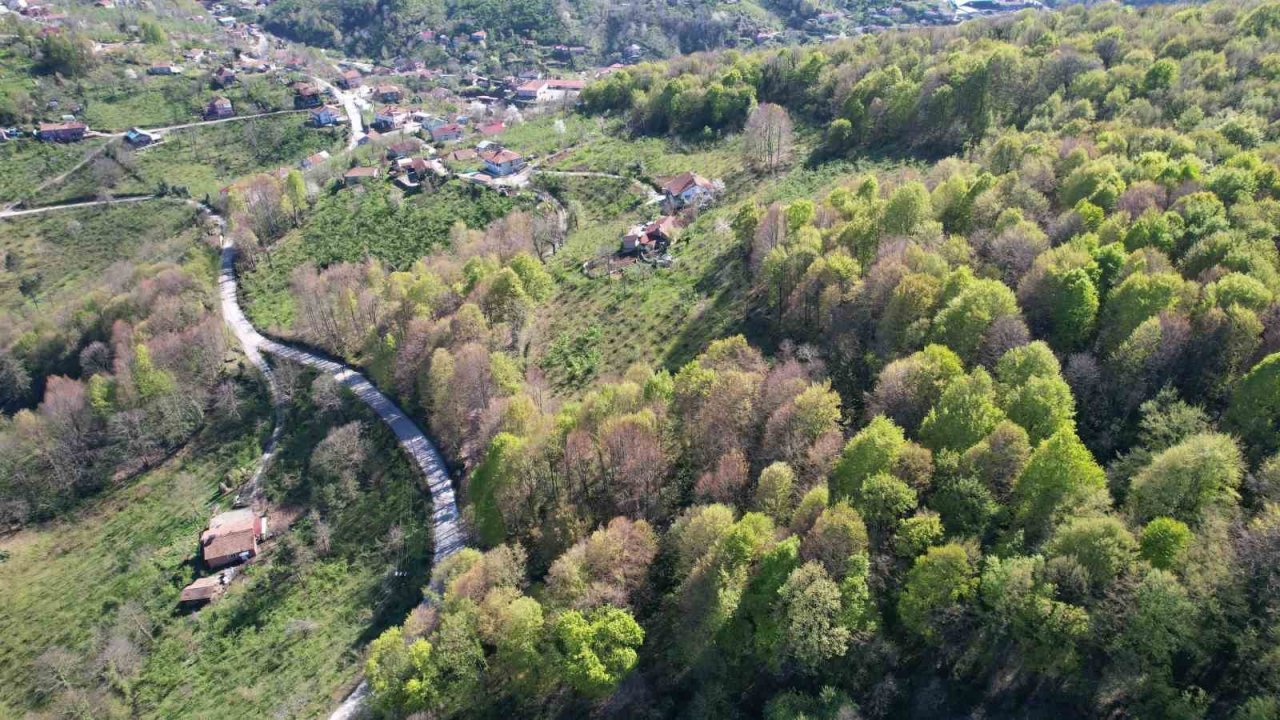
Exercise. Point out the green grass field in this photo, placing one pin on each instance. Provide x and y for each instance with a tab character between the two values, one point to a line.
25	163
61	256
206	158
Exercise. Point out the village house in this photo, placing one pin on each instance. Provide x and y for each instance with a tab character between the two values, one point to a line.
654	236
390	117
139	138
205	590
388	93
218	108
403	149
490	129
164	70
479	36
324	116
532	91
446	133
224	78
360	175
568	86
62	132
687	189
232	538
412	172
349	80
554	90
306	95
501	162
462	155
312	161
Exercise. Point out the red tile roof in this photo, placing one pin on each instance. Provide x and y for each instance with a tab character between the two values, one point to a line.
683	181
500	156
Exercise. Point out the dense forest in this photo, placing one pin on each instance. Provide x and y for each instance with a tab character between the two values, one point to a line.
1010	446
994	430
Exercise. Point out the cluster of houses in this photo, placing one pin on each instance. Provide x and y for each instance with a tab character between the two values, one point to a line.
231	539
410	164
650	241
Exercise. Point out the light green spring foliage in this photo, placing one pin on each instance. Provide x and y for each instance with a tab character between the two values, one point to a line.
1165	541
598	648
873	450
942	578
965	413
811	609
1188	480
1020	601
1255	406
838	533
917	533
967	315
1061	479
1103	546
812	504
883	498
774	493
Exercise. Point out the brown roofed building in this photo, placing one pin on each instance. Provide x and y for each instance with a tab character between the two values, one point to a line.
685	189
203	590
501	162
225	77
446	133
350	80
463	155
358	175
656	235
388	93
403	149
219	107
306	95
62	132
232	537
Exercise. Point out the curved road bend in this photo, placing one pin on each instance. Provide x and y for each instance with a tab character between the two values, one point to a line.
447	534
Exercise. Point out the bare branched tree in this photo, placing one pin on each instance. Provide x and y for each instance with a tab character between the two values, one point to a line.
767	140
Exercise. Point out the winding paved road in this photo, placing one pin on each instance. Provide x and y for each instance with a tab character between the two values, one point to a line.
448	534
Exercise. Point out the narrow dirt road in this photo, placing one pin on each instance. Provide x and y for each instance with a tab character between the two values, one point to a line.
72	206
